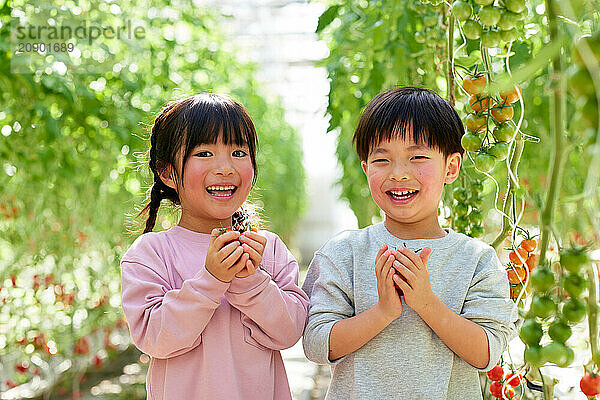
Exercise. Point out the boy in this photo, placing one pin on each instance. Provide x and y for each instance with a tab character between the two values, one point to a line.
414	322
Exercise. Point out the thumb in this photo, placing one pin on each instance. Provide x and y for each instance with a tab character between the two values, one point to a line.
425	253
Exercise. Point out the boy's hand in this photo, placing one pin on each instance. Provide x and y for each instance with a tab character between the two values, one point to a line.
415	285
389	305
254	245
225	257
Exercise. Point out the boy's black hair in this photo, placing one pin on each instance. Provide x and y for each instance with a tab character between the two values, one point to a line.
185	124
427	117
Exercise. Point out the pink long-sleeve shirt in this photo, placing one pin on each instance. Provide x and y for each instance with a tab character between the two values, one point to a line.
209	339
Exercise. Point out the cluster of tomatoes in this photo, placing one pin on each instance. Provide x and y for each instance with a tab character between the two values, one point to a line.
586	54
492	24
556	305
522	262
431	33
502	384
490	127
466	217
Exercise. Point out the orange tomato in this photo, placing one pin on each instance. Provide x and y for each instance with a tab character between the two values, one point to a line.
532	261
515	258
479	102
512	95
502	114
474	85
529	245
516	274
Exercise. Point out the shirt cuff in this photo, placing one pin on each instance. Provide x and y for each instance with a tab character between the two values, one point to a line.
243	285
210	286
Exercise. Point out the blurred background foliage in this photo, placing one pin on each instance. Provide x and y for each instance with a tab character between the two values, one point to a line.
73	172
375	45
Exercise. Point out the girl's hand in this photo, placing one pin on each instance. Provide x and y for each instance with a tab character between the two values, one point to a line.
389	303
412	277
225	257
253	245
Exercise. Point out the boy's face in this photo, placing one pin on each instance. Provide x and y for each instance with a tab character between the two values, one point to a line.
406	180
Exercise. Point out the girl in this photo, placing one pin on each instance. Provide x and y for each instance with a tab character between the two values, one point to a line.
212	309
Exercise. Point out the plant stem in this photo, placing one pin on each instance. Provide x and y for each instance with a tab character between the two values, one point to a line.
592	306
514	166
557	126
450	80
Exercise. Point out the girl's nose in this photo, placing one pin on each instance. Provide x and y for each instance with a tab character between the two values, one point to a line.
224	167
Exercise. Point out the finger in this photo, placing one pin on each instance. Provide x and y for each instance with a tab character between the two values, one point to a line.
256	245
380	252
256	237
412	256
407	262
251	267
385	263
227	250
231	259
254	255
408	275
379	264
424	255
401	284
239	265
224	238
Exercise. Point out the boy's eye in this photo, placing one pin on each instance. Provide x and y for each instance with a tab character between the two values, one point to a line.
379	160
203	154
239	153
420	157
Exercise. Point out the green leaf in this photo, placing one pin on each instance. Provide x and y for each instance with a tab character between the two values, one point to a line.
327	17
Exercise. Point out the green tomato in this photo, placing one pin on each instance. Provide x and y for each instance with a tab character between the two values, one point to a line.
475	216
476	231
472	29
574	284
477	186
533	356
580	82
460	194
491	39
573	311
461	209
542	279
484	162
499	151
531	332
489	15
505	131
430	20
555	353
484	2
510	35
508	20
515	6
475	201
570	358
461	223
420	37
462	10
559	331
471	142
572	259
543	306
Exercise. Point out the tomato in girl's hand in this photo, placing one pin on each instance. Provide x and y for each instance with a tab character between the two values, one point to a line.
513	379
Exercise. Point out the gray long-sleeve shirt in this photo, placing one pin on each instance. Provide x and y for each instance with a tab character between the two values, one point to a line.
406	360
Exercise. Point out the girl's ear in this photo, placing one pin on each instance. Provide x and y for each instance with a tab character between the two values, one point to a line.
453	163
166	175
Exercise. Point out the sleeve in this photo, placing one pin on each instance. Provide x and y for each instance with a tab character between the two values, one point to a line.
273	309
488	304
331	300
166	322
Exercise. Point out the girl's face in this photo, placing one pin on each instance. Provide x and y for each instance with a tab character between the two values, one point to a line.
217	180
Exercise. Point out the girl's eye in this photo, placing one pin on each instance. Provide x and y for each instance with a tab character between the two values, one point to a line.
239	153
421	157
203	154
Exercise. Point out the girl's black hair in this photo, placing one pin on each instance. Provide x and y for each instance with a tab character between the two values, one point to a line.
183	125
420	112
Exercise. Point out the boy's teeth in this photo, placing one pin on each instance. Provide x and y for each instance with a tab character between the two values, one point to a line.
404	193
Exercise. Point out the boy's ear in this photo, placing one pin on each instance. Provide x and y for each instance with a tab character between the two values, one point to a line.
166	175
363	164
453	164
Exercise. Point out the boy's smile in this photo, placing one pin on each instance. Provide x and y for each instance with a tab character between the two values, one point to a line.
406	180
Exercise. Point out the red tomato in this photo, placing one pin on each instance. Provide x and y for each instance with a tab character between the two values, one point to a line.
516	274
532	261
590	384
496	389
513	379
515	258
529	245
496	373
